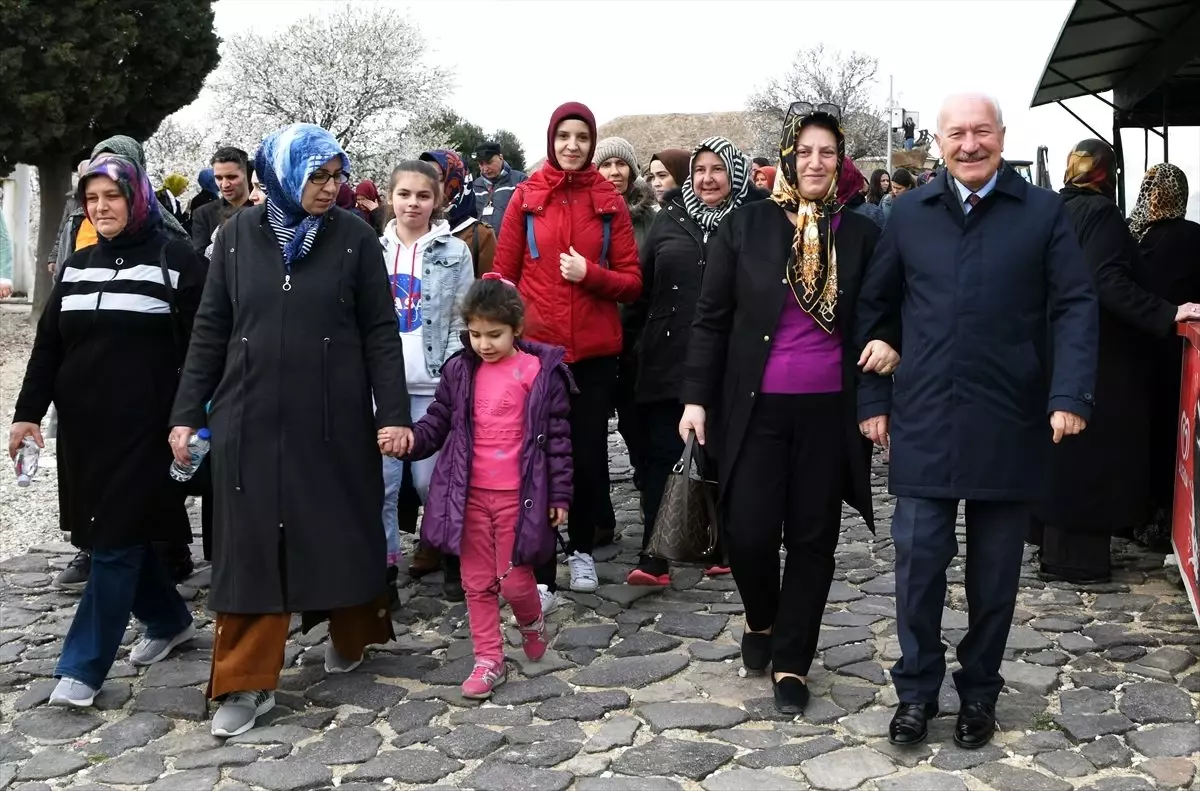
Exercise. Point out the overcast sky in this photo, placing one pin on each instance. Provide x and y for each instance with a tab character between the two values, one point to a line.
625	57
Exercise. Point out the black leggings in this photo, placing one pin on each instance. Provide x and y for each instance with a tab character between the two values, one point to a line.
591	504
787	485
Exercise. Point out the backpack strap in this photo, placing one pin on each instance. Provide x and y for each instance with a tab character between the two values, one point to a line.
606	219
530	238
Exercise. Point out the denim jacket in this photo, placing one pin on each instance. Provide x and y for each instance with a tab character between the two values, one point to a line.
447	272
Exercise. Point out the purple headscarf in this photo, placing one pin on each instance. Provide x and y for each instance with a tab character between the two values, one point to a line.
144	210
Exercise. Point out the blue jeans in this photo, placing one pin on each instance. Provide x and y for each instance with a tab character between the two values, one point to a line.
393	473
122	581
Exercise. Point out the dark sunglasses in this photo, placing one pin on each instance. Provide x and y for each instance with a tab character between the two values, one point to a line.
801	109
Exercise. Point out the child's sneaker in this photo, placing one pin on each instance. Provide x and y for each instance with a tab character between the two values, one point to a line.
486	676
533	639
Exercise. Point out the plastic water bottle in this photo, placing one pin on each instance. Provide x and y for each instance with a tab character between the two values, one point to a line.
27	461
198	446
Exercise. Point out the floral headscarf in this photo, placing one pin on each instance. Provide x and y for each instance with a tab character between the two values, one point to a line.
284	162
144	209
126	146
1092	166
461	201
709	217
812	271
1163	196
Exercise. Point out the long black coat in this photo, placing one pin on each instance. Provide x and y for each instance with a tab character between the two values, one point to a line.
1167	267
296	471
740	302
1100	480
986	301
674	255
107	353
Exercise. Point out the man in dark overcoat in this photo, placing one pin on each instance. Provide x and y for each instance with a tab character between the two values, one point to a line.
999	325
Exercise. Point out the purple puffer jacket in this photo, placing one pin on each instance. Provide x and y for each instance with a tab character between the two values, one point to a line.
546	468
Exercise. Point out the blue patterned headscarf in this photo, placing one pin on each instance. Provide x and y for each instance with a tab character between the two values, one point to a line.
284	162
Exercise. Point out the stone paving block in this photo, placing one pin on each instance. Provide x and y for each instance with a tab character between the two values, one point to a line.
661	756
1157	702
846	769
135	769
690	716
50	764
1003	777
632	672
289	774
742	779
503	776
921	780
1166	741
645	643
407	766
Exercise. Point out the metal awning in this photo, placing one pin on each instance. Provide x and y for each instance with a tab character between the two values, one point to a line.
1147	52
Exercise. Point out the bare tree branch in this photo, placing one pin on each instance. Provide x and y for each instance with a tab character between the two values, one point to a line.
360	73
818	75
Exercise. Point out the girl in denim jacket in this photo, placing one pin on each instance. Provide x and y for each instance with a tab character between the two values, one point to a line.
429	271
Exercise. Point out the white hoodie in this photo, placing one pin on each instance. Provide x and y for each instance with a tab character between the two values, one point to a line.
403	264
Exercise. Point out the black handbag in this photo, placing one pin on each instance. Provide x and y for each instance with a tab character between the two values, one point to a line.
687	530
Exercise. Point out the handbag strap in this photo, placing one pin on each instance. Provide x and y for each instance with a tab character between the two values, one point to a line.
176	334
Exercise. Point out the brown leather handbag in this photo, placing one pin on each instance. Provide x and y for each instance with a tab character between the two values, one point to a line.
688	530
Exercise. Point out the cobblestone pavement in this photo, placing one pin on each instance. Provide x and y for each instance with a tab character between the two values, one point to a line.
640	691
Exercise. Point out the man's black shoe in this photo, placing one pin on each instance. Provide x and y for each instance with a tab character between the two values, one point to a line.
975	726
910	723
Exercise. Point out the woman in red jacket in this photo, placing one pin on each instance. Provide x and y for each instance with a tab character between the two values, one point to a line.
569	247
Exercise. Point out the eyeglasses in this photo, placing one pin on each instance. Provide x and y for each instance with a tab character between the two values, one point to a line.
323	177
801	109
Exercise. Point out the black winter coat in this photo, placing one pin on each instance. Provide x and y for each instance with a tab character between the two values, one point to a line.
659	323
107	353
1168	268
296	470
1099	480
740	302
999	320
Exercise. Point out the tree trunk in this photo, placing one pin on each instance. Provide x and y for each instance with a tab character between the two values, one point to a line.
54	178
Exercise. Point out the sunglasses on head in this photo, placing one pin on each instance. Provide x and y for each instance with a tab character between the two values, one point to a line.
801	109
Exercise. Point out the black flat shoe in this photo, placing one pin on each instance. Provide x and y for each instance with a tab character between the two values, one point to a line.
756	651
976	725
910	723
791	695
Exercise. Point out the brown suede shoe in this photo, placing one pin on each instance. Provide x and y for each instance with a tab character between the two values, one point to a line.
425	560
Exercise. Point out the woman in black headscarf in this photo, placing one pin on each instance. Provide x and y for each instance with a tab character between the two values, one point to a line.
770	355
1099	480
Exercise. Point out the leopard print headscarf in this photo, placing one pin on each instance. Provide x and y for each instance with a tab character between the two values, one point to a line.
1163	196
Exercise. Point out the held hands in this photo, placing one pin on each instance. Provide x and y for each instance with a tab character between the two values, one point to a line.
1188	311
18	433
1065	424
179	444
692	420
876	430
573	266
395	440
879	358
557	516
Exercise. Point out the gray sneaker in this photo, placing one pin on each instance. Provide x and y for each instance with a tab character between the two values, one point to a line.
155	649
240	710
72	694
75	576
336	663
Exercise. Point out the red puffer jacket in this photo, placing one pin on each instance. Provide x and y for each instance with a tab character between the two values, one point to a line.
568	208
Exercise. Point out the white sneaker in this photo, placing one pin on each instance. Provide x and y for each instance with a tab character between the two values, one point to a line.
151	650
583	573
549	600
72	694
240	710
336	663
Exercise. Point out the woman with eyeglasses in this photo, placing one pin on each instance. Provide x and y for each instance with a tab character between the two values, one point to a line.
294	333
770	356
